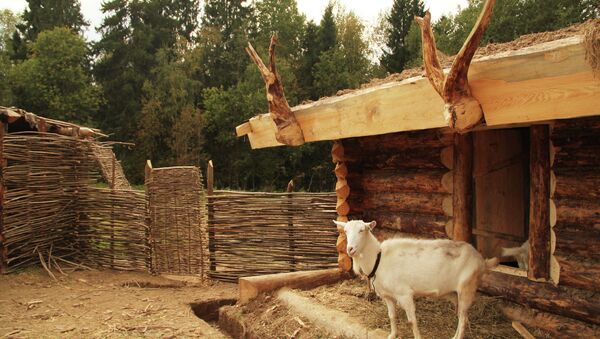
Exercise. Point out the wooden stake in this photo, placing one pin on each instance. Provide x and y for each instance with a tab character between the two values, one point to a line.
210	217
290	213
462	110
539	207
288	129
522	330
462	198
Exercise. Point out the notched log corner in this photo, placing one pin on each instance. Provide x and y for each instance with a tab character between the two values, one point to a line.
462	111
288	129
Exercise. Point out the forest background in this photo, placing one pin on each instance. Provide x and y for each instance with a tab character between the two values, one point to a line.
172	76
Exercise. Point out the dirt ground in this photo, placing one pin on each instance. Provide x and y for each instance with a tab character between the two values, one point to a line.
104	304
269	317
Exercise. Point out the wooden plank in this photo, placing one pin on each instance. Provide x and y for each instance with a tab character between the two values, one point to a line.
500	173
251	287
539	205
543	82
462	198
243	129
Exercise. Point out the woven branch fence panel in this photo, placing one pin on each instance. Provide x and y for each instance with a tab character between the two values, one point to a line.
43	175
111	168
51	211
112	229
178	232
254	233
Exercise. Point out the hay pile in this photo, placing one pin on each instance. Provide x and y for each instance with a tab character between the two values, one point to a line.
269	318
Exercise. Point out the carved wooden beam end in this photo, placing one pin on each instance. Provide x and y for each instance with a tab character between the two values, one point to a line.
462	111
288	129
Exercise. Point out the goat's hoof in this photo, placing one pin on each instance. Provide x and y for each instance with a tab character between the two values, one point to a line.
371	296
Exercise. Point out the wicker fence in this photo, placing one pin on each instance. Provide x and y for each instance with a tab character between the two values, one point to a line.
261	233
53	214
50	211
178	230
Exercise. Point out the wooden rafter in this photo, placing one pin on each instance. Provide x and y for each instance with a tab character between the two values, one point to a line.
288	129
538	83
462	111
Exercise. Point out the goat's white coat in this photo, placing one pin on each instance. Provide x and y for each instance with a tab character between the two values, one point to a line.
415	267
520	253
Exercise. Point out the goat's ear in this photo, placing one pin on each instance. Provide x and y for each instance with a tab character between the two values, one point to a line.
340	225
372	224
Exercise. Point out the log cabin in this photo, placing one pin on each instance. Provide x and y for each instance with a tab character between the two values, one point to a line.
494	151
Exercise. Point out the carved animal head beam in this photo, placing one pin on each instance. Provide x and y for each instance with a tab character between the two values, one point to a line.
462	110
288	129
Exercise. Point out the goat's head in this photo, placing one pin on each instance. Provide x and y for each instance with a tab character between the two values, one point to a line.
357	233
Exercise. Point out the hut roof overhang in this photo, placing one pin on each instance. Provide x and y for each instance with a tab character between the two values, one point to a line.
19	120
543	82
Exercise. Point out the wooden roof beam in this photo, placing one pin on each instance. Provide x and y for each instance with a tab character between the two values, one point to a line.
461	111
288	130
543	82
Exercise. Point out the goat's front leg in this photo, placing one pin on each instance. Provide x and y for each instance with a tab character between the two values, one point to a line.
408	304
391	306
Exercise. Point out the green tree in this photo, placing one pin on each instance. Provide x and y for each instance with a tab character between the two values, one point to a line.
346	65
169	130
44	15
8	22
54	82
327	36
224	34
308	59
396	53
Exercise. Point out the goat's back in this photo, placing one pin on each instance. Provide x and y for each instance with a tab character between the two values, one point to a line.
429	267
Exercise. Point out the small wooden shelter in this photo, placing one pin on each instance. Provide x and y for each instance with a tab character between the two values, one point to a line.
508	154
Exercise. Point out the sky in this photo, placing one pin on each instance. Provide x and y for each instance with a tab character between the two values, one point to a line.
367	10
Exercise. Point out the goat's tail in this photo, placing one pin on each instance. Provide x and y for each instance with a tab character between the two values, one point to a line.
512	251
491	263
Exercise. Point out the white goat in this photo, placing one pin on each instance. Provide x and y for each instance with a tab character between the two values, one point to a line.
520	253
400	269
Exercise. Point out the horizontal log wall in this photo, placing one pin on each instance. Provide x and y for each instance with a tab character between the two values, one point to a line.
577	199
255	233
397	180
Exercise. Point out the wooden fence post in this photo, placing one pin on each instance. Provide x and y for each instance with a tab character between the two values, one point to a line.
149	242
290	212
462	197
3	249
210	211
539	203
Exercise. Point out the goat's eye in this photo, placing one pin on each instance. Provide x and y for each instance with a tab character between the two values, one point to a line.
360	231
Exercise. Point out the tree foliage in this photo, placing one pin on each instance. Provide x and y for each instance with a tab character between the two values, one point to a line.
44	15
176	80
396	55
54	81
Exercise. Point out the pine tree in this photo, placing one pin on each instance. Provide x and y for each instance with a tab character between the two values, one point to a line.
396	55
327	35
225	32
44	15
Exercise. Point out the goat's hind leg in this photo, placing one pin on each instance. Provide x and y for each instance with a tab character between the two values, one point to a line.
466	296
391	306
408	304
